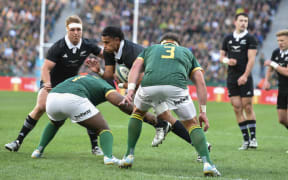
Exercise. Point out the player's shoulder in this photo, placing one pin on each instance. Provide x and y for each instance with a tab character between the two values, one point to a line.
228	36
131	45
89	42
59	44
276	51
250	37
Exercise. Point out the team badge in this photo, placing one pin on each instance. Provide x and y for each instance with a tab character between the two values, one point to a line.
243	41
82	53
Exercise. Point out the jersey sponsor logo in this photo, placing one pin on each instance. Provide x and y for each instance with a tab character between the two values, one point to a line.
82	53
236	48
83	114
73	61
65	56
181	100
243	41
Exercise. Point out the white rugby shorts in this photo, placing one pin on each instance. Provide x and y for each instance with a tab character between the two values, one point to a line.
166	97
60	106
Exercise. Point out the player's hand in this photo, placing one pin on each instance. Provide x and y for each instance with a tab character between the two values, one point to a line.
267	63
128	98
203	119
242	80
47	86
232	62
266	84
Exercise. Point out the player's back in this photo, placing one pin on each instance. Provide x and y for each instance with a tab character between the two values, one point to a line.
92	87
167	65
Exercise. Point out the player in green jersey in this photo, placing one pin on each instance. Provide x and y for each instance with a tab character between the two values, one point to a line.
167	68
76	98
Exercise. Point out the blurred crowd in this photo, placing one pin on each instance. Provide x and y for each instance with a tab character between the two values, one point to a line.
19	33
202	25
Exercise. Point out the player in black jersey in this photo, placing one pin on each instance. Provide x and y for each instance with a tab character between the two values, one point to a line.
118	50
279	62
238	52
63	61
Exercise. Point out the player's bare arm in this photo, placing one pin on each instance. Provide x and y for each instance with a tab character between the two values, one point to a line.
198	79
266	84
45	76
251	60
133	78
109	72
280	69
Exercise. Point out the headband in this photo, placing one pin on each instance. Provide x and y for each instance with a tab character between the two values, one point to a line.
74	25
165	41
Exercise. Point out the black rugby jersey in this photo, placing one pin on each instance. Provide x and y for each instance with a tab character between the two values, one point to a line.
130	52
282	60
67	63
239	51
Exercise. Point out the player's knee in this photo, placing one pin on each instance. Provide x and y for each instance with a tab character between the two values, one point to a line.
248	108
102	130
40	108
237	108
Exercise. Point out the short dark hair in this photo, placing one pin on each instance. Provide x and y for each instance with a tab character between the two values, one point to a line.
240	14
113	31
170	36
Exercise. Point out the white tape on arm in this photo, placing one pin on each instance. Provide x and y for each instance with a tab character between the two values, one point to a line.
131	86
225	60
203	108
274	64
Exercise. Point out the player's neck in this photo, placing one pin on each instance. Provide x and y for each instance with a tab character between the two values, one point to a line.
239	31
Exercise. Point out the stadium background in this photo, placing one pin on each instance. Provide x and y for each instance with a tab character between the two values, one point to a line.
201	25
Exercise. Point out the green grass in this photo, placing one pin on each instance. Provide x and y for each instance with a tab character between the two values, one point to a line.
68	156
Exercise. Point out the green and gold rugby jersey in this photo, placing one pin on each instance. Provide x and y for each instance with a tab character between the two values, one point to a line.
168	64
92	87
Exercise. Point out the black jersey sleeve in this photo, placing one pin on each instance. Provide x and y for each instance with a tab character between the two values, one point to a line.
109	58
95	49
54	52
252	43
224	44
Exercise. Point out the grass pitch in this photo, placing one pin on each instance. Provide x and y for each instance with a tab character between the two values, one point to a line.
69	156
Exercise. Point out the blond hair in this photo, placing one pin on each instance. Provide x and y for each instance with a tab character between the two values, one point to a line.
73	19
283	32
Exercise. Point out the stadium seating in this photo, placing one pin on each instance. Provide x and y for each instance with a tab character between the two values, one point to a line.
19	33
201	24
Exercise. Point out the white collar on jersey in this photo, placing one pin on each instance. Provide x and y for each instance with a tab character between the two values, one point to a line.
238	36
120	50
283	53
72	46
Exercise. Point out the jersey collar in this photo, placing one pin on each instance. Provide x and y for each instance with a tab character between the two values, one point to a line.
70	45
285	52
120	50
238	36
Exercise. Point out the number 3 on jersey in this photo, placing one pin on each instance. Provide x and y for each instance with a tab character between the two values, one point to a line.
171	51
